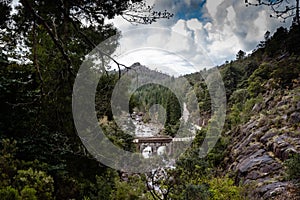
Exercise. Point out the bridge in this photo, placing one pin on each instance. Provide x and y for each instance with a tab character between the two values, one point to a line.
158	145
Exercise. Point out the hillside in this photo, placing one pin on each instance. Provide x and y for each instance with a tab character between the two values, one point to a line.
263	118
261	145
256	157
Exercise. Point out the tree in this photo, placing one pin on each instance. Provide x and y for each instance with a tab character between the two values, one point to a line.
37	94
63	20
231	76
240	55
282	9
57	35
160	183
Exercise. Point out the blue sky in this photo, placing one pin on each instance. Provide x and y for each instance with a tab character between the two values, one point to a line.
189	10
204	33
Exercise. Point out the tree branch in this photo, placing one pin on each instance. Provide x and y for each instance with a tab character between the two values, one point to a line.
35	60
52	35
152	190
102	53
282	9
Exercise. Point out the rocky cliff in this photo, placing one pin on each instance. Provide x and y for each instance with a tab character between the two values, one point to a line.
260	147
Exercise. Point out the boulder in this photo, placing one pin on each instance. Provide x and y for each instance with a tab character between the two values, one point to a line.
270	190
298	105
264	139
295	118
257	107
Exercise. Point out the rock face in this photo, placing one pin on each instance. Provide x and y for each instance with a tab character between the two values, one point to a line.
295	118
260	147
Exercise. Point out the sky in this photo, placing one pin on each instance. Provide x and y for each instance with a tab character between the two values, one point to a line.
202	34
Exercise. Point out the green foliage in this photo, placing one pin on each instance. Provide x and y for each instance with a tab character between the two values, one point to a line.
103	96
241	111
35	180
117	136
8	163
173	110
258	78
293	40
231	76
216	156
223	188
18	96
240	55
273	75
250	68
239	97
285	72
203	96
36	95
106	184
133	189
276	42
197	192
234	116
151	94
293	167
9	193
49	162
28	193
29	183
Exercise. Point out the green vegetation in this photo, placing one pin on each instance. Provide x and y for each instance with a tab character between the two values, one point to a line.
20	181
42	156
152	94
293	167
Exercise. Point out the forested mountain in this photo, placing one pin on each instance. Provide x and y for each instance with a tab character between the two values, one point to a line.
42	157
257	156
261	133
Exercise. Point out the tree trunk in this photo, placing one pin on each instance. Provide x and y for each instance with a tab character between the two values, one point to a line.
35	59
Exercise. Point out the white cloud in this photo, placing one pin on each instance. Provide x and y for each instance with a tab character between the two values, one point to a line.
232	26
212	6
158	59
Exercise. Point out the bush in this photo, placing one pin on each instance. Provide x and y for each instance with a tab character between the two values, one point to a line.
197	192
9	193
132	190
241	112
28	193
258	78
8	163
224	188
35	180
293	167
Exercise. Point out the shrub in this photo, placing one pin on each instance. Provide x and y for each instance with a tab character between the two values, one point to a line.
8	163
223	188
293	167
28	193
37	180
258	78
131	190
197	192
9	193
241	112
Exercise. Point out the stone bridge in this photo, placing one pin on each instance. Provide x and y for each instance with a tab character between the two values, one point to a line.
158	145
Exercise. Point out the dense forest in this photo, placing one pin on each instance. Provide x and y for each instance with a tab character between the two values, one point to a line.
42	156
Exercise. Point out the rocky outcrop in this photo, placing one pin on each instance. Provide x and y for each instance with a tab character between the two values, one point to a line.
260	146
